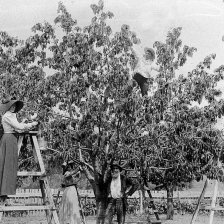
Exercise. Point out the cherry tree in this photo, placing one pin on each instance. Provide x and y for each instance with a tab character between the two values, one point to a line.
89	100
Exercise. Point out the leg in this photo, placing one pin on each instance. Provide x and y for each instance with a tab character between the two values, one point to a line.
110	212
144	88
120	208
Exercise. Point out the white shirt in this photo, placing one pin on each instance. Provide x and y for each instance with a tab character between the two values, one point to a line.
115	187
144	67
10	123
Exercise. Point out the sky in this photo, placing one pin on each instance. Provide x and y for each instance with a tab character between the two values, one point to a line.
202	21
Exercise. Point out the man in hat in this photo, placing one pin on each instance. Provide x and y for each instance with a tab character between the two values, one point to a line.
144	69
119	188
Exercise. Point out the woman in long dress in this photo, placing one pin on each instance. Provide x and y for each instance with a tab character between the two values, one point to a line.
69	211
9	147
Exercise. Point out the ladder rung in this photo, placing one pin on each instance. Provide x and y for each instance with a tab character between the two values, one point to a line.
28	132
26	208
27	173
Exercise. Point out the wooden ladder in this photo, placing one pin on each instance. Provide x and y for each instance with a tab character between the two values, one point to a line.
156	212
213	207
48	202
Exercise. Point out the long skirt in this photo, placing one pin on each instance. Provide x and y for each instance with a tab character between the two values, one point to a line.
69	207
8	164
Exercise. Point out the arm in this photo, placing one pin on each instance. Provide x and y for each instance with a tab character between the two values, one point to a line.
155	68
12	121
72	173
87	173
132	185
107	174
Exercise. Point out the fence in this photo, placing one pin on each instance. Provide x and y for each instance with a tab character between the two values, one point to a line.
89	194
34	197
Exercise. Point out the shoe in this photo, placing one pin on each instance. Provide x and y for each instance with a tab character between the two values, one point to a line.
3	200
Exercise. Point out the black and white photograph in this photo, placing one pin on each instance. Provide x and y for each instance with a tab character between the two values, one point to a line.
112	111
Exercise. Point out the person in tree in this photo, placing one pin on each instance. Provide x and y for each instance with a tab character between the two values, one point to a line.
69	211
9	146
119	188
144	68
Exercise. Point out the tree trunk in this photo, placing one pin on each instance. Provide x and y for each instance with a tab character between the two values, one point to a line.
170	209
101	202
101	206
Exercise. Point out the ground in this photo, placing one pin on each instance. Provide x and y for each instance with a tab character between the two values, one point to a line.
183	219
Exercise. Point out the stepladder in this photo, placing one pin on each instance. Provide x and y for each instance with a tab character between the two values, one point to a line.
213	206
47	197
155	211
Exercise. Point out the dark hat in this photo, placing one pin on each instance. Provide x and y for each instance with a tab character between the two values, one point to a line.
66	165
6	104
119	165
150	50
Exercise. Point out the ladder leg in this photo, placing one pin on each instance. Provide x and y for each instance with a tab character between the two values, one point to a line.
198	203
20	142
38	154
213	202
153	205
80	206
45	201
54	214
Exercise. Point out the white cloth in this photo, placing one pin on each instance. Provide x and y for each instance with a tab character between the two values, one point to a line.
115	187
69	207
10	123
144	67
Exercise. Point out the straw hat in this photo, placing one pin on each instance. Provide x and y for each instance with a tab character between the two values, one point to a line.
6	104
149	50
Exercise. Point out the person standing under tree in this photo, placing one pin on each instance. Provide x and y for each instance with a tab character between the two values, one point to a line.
9	147
119	188
69	211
